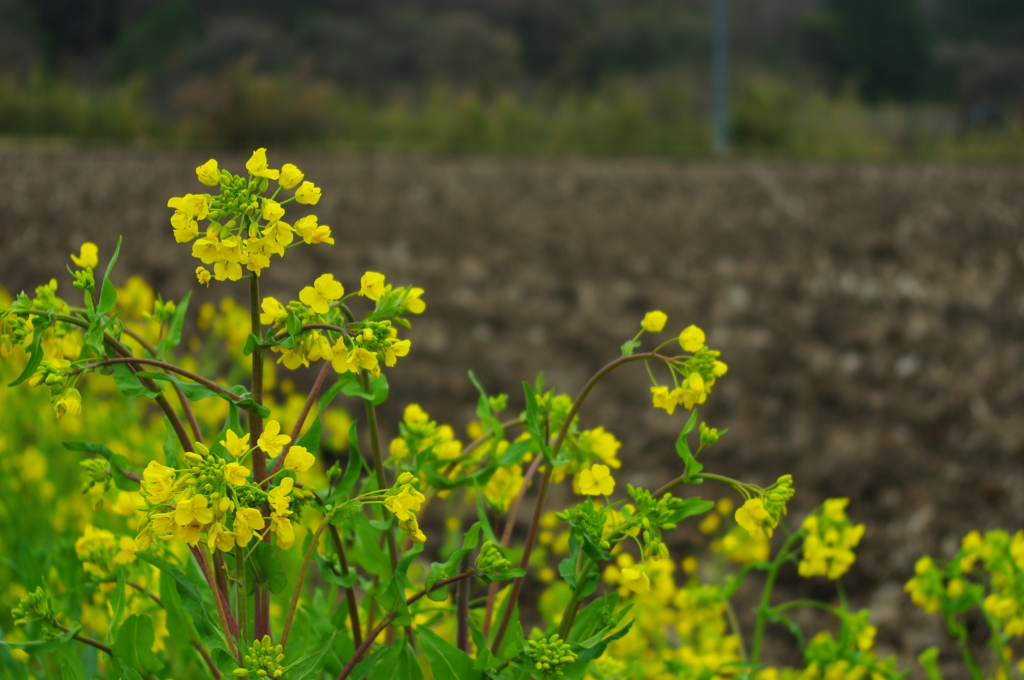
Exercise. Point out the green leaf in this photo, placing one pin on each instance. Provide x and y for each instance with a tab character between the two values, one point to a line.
128	673
629	346
392	598
173	337
117	601
689	508
355	462
66	673
446	662
129	384
192	603
293	324
442	570
267	568
108	294
481	513
484	658
360	669
533	421
311	664
171	444
377	390
118	463
366	553
35	351
683	449
398	664
134	642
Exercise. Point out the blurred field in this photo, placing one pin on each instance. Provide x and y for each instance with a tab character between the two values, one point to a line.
871	316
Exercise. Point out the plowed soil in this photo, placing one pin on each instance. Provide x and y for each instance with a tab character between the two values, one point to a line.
871	316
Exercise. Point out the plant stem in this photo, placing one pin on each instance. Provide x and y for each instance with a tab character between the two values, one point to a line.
573	605
563	431
350	593
531	538
302	416
372	635
221	612
241	598
81	638
378	469
261	597
766	596
324	523
506	539
462	610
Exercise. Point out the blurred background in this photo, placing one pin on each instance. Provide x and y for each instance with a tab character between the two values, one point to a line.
809	79
546	171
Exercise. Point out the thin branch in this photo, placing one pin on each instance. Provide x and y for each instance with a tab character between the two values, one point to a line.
321	376
372	635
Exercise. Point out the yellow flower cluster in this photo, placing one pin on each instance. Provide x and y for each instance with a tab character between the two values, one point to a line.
214	498
367	346
831	538
760	515
420	433
404	501
698	373
678	631
245	227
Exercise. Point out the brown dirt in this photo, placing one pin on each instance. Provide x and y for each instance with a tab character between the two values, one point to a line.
871	315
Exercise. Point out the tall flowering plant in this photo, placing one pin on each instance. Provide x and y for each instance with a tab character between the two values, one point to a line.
243	554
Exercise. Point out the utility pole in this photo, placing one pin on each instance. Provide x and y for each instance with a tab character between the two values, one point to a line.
720	77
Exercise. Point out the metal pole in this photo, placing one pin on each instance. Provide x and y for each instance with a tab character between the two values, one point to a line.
720	77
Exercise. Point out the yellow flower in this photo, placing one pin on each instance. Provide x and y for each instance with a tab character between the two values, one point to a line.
345	360
503	486
257	165
755	518
413	302
320	295
272	441
290	176
279	497
635	578
247	520
219	538
88	257
272	210
662	398
283	529
236	474
155	472
414	414
398	349
298	459
196	206
230	271
311	232
69	403
124	505
272	311
208	173
203	275
654	321
194	508
597	481
372	285
691	339
307	194
236	446
126	550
